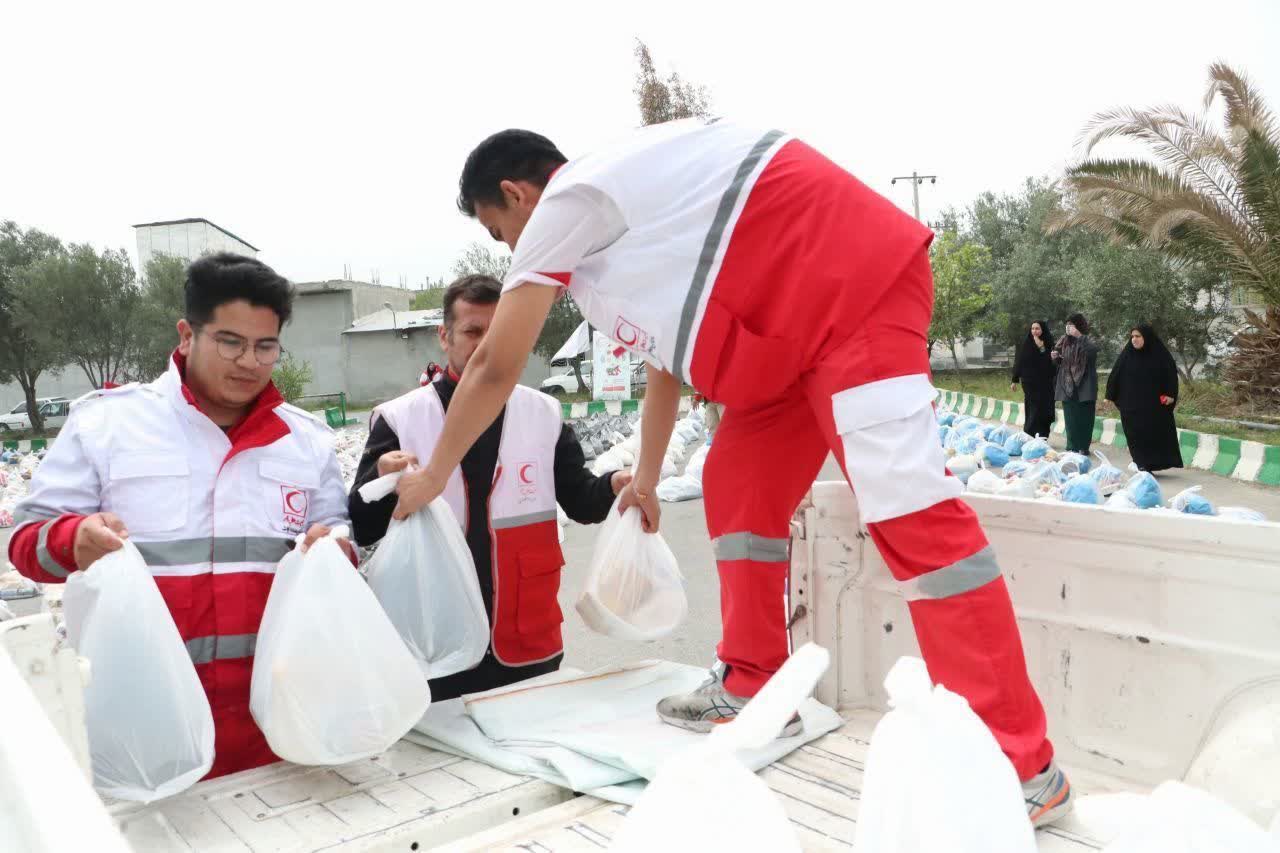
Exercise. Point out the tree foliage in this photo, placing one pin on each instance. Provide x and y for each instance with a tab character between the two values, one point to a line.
961	290
291	377
27	349
478	259
160	307
666	99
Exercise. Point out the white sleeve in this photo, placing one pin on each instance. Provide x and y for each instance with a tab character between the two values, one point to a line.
330	505
67	480
564	229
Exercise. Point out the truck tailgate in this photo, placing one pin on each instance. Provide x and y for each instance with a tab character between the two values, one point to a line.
409	798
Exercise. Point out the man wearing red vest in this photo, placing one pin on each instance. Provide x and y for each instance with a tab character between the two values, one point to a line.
741	261
504	492
209	472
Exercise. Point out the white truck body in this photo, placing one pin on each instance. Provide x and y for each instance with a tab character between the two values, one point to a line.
1154	642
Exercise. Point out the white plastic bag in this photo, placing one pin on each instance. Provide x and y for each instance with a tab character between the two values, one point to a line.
676	489
1240	513
634	590
697	462
705	799
424	577
935	778
983	482
1178	818
150	727
332	680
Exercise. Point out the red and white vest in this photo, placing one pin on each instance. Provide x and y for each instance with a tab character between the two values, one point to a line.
524	535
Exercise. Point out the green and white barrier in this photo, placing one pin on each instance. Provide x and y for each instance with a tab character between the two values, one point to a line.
1251	461
28	446
574	411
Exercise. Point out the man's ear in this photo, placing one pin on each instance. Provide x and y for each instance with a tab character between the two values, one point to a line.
444	339
186	337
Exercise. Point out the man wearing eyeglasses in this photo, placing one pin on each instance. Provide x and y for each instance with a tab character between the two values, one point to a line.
208	472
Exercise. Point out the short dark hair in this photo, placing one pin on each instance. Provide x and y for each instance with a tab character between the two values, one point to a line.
477	289
510	155
215	280
1079	322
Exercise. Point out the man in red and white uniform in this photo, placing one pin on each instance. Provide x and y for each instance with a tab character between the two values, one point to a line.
208	472
743	262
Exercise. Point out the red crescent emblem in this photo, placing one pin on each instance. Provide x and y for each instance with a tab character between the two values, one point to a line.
629	330
296	502
524	473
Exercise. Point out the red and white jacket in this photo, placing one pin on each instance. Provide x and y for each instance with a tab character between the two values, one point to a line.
526	558
212	512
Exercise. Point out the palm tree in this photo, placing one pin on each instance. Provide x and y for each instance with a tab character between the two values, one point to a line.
1202	196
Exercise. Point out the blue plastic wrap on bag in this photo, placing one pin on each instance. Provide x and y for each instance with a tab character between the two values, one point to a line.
1013	444
952	441
944	432
993	455
1144	491
946	418
1035	449
1074	463
970	443
1192	502
966	425
1080	489
963	467
1015	468
1107	476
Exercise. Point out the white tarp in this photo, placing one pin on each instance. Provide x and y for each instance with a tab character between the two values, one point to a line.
578	343
597	733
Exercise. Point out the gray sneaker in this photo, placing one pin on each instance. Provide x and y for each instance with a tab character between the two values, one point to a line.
1048	796
711	705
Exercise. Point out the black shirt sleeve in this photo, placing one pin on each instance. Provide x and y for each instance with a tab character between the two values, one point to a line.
585	498
369	521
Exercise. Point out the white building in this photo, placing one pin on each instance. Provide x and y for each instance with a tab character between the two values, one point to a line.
187	239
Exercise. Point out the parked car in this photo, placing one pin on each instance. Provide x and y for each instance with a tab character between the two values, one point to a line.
21	408
560	384
53	411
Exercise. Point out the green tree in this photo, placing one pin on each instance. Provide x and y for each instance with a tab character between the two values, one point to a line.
27	349
92	300
291	377
662	100
430	297
477	259
1200	195
562	321
1120	287
961	292
161	305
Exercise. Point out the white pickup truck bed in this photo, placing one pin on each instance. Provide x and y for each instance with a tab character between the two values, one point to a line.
413	795
1153	641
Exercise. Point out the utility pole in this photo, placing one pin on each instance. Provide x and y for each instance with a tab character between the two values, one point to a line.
916	181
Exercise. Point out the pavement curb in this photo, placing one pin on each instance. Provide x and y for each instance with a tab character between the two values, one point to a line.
27	446
1251	461
576	411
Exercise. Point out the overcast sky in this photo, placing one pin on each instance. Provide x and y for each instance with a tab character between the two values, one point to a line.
333	133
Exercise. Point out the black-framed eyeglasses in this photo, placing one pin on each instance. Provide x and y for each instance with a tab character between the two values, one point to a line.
232	348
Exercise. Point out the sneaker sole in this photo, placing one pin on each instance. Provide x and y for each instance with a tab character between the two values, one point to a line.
703	727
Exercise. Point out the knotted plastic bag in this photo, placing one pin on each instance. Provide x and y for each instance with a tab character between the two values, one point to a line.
1013	444
1036	448
1074	463
332	680
1192	502
1081	489
935	778
150	727
946	418
992	455
424	577
634	589
983	482
1108	477
1144	491
1015	468
967	425
962	466
705	798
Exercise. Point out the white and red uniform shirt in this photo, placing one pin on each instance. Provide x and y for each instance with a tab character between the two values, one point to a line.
526	557
212	513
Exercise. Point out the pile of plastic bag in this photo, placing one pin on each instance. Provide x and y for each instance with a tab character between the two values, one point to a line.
16	470
349	444
996	459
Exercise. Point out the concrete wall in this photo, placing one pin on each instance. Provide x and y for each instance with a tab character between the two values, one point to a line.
368	298
315	336
383	365
188	240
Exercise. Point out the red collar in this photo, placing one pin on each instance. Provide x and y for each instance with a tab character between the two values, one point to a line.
259	427
454	376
